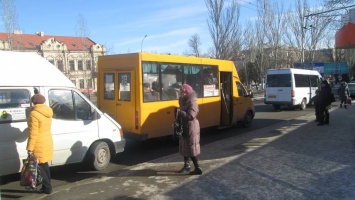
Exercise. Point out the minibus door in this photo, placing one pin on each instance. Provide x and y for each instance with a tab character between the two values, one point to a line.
109	99
226	95
125	105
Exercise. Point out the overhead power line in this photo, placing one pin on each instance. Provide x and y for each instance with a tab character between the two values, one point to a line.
329	11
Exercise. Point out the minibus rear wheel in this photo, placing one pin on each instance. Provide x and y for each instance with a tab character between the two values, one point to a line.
303	105
99	155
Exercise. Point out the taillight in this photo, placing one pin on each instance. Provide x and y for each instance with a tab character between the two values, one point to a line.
292	93
121	132
136	120
264	93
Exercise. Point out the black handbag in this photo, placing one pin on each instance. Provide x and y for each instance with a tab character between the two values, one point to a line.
178	128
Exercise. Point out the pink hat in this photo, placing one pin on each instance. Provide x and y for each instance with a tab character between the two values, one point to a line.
186	88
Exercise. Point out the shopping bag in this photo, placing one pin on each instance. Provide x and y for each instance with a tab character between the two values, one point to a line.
30	173
349	100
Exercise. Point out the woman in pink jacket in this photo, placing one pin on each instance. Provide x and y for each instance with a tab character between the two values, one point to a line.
189	142
40	142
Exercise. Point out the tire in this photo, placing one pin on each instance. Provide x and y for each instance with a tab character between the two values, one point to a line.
99	156
247	120
303	105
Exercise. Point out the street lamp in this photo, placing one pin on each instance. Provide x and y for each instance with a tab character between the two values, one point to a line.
142	42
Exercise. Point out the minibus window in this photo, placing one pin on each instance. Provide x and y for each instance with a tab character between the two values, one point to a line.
14	105
82	108
124	80
151	83
241	90
278	80
192	76
61	102
109	86
210	81
301	80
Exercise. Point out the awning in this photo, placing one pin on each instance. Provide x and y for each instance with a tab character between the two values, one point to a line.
345	37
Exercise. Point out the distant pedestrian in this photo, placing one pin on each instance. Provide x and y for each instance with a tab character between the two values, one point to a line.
189	142
40	142
315	100
324	103
344	93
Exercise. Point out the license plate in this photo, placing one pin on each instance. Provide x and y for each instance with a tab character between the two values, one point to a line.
272	96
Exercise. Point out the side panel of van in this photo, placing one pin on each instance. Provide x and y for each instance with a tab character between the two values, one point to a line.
14	110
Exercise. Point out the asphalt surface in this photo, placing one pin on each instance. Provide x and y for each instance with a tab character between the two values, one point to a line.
294	159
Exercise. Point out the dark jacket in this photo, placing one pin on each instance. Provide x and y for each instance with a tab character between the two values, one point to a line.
189	143
343	91
325	96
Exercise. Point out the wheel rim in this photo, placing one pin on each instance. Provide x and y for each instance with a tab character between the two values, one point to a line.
102	156
303	105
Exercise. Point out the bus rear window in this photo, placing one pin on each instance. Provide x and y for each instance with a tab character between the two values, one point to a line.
278	80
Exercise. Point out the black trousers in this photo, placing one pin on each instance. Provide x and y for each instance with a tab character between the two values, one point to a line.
324	116
46	174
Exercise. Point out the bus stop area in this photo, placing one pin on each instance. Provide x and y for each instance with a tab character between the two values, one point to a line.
294	159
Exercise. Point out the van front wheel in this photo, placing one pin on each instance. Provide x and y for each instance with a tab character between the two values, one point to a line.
99	155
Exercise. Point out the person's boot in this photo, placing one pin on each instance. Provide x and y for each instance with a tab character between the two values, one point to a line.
197	171
185	169
341	105
345	106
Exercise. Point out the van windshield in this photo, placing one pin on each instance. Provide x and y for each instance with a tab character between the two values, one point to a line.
278	80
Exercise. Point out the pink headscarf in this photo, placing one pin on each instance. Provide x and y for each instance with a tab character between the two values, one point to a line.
186	88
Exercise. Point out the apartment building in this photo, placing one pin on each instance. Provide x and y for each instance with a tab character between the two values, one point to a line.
76	57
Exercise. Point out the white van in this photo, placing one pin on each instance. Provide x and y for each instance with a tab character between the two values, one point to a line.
292	87
81	132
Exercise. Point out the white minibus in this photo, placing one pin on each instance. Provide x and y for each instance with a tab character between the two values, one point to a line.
81	132
291	87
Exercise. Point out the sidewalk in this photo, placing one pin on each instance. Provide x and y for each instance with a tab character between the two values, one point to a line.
294	159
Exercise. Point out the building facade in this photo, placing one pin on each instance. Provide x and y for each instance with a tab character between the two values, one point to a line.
76	57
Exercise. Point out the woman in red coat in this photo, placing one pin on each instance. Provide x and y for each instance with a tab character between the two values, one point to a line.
189	142
40	142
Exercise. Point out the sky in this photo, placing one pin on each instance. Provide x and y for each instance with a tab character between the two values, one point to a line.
121	25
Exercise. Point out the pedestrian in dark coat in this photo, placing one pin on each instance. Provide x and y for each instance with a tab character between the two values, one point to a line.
324	103
344	93
189	142
315	100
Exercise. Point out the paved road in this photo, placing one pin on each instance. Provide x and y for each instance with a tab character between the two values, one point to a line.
294	159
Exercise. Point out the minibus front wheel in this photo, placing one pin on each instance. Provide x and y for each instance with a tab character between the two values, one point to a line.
99	155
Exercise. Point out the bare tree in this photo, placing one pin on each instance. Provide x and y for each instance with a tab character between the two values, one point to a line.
82	31
224	28
275	22
295	35
194	44
9	17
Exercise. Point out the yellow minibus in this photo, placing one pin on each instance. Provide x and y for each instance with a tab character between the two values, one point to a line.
141	91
